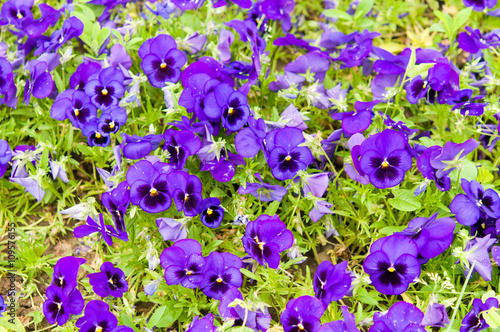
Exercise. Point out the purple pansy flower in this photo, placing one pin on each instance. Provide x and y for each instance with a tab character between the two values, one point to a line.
432	236
183	263
171	230
5	75
315	184
75	106
5	156
59	305
116	202
479	6
40	83
265	238
468	207
435	315
16	12
302	315
264	192
463	101
111	120
279	10
477	41
347	325
97	318
95	137
222	271
401	317
180	145
3	306
66	273
148	187
320	208
205	324
137	147
228	105
223	168
441	178
250	140
185	189
107	231
105	87
210	211
110	281
358	120
477	252
474	321
161	60
255	320
392	264
384	158
331	282
72	28
82	74
286	157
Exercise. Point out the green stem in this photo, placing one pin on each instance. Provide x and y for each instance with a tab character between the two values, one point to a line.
460	297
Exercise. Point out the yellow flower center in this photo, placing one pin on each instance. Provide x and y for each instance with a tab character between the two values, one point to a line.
231	111
19	15
98	329
77	112
300	326
391	269
288	158
163	65
97	135
189	272
385	164
483	226
153	192
104	92
186	197
112	125
59	306
111	281
219	280
210	211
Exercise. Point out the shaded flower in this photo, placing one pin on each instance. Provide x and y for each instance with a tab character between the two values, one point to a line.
59	305
180	145
185	189
435	315
40	83
66	273
107	231
479	6
302	315
474	321
5	156
110	281
210	211
95	137
183	263
476	41
250	140
171	230
205	324
97	318
476	252
264	192
469	206
82	74
137	147
75	106
222	271
72	28
228	105
105	87
320	208
111	120
347	325
116	202
265	238
331	282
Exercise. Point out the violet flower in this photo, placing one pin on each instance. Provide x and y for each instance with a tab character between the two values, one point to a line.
265	238
401	317
97	318
16	12
183	263
59	305
75	106
95	137
72	28
111	120
463	101
180	145
279	10
302	314
331	282
347	325
228	105
40	83
315	184
161	60
107	231
82	74
210	211
436	316
358	120
392	264
250	140
116	202
432	236
221	272
5	75
320	208
205	324
286	157
384	158
476	41
255	320
66	272
105	87
479	6
474	321
110	281
5	156
171	230
469	206
222	169
137	147
3	306
148	187
118	56
440	177
264	192
185	189
476	252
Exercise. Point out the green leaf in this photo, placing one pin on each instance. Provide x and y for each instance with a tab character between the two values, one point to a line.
469	170
86	11
128	322
335	13
240	329
155	318
437	27
367	298
272	208
363	8
461	18
250	274
217	192
404	200
172	313
484	176
420	69
492	317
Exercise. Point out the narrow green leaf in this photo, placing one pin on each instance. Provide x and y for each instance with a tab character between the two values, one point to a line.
272	208
363	8
404	200
335	13
156	316
437	27
461	18
250	274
